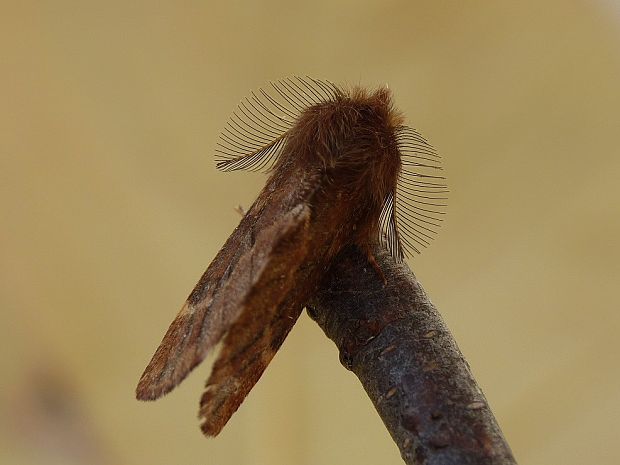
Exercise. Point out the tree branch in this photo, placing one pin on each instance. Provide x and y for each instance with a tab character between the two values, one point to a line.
392	337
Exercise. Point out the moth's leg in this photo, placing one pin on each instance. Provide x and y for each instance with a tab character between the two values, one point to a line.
373	261
242	211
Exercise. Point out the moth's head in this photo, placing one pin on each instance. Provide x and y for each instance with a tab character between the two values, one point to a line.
355	138
375	108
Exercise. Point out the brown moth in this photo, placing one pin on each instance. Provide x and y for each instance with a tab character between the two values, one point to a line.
343	170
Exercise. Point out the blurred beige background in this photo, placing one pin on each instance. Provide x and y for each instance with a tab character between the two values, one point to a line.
111	209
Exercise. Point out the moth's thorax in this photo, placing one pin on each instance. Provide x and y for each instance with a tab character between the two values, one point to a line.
345	151
351	140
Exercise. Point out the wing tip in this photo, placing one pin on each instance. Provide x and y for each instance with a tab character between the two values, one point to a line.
155	383
217	405
176	356
210	429
147	390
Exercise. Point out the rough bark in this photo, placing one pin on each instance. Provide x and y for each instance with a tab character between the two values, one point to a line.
392	337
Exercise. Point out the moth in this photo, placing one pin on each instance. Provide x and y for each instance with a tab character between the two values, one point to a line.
343	170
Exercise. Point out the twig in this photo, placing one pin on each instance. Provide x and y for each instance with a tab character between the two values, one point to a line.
392	337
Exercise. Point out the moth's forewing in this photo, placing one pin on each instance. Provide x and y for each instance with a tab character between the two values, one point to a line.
200	323
253	299
269	312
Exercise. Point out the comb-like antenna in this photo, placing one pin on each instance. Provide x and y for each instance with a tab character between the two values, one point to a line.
257	130
412	215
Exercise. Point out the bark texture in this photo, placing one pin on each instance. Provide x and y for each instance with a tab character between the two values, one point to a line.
392	337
